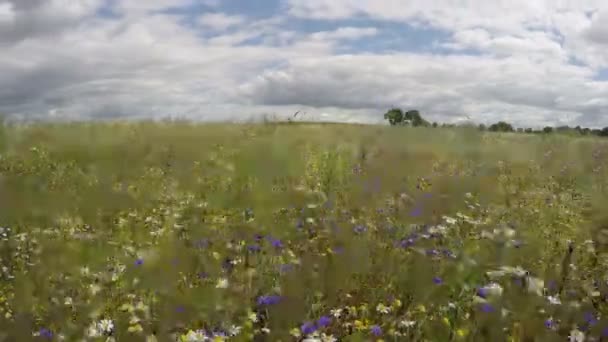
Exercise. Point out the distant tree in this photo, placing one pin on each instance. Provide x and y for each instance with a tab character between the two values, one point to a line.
482	127
501	126
434	125
603	132
394	116
520	130
414	117
548	129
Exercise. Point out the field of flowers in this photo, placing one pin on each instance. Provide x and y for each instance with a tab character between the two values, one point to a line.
177	232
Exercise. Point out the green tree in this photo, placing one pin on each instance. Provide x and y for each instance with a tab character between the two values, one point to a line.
394	116
501	126
414	117
548	129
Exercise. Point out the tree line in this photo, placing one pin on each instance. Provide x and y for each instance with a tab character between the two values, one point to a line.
397	117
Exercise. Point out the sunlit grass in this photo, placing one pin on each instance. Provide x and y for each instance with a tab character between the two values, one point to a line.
285	232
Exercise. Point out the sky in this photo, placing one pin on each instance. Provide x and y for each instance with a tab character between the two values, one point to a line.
529	62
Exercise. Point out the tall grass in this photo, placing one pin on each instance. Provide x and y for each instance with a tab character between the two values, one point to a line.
271	232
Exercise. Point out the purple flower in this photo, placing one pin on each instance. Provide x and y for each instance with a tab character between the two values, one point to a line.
432	252
416	212
180	309
338	249
323	322
438	280
269	300
485	307
139	261
549	323
482	292
308	328
300	224
46	333
376	330
276	243
285	268
254	248
359	229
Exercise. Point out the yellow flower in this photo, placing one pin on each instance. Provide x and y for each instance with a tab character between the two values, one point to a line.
446	321
397	303
462	332
295	332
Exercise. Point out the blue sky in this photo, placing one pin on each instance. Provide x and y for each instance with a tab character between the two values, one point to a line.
532	63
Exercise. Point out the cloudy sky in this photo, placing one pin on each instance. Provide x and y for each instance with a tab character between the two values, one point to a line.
531	62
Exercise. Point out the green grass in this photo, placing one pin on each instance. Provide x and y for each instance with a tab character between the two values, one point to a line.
170	229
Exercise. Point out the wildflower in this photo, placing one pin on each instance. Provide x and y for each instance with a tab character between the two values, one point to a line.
268	300
492	289
535	285
336	313
254	248
405	323
324	321
486	307
234	330
276	243
308	328
576	336
253	317
222	283
139	261
449	220
45	333
438	280
383	309
550	323
194	336
359	229
416	212
554	300
376	330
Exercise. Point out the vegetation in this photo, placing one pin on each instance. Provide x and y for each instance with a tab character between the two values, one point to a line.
134	232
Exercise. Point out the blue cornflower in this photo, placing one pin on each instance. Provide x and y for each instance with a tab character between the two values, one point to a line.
376	330
432	252
486	307
269	300
285	268
308	328
139	261
46	333
324	321
359	229
482	292
254	248
276	243
550	323
438	280
416	212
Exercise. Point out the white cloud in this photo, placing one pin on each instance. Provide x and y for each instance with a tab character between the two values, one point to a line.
7	13
220	21
346	33
60	61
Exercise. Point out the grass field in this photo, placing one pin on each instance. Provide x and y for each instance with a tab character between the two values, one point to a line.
309	232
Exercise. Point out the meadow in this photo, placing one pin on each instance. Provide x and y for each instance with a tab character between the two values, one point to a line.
300	232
